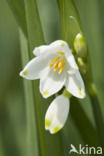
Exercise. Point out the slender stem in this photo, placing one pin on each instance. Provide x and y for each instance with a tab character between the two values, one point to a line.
98	118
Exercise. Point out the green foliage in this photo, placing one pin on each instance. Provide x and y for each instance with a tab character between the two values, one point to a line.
19	13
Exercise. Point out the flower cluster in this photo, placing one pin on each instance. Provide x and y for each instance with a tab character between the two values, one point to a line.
56	68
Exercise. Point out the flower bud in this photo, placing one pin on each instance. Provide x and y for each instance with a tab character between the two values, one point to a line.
82	65
80	45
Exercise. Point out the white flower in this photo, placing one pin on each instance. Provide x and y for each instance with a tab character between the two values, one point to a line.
55	66
57	114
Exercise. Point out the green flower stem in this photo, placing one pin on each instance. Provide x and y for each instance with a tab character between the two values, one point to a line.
98	118
92	92
66	94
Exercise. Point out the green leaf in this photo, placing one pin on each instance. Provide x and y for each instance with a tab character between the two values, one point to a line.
35	34
69	20
33	142
35	38
83	123
70	27
2	151
18	10
92	25
89	14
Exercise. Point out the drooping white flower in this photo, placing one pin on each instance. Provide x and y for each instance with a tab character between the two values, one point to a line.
57	114
55	66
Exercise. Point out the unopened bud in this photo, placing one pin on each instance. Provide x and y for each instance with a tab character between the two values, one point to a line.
80	45
82	65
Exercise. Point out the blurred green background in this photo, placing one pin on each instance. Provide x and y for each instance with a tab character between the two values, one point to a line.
12	104
12	107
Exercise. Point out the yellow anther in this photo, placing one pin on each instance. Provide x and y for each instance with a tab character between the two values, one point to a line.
58	63
61	69
60	52
61	65
56	67
54	61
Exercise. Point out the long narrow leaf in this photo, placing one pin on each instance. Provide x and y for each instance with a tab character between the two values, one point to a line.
18	10
91	25
33	143
35	38
71	26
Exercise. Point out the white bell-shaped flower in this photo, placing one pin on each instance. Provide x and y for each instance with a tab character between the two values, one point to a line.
55	66
57	114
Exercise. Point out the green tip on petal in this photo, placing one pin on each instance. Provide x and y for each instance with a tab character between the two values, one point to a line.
46	92
56	129
25	72
80	92
62	43
47	123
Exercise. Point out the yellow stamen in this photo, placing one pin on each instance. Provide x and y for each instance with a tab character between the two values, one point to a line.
56	67
60	52
54	61
61	65
61	69
58	63
61	62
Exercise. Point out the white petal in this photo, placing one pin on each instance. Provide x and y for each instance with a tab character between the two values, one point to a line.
51	82
71	71
35	67
54	47
39	50
75	85
57	114
71	61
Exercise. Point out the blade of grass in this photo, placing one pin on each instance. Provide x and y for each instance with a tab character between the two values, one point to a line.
17	7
